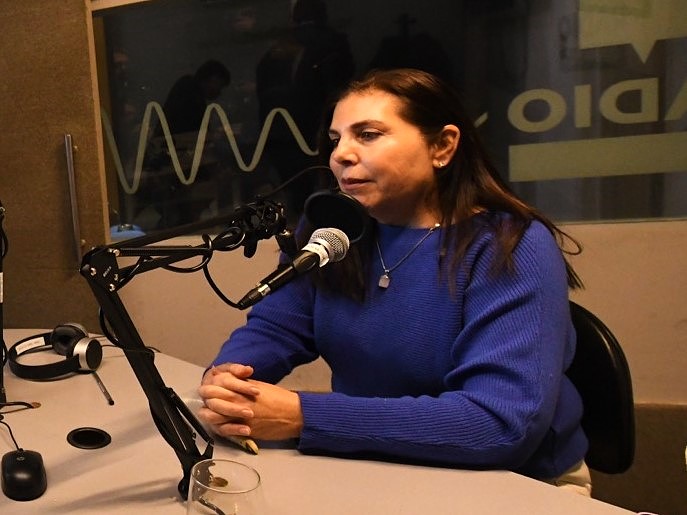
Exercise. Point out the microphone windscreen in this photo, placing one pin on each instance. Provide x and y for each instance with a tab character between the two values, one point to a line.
335	240
338	210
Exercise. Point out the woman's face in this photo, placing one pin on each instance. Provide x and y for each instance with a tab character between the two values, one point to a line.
383	161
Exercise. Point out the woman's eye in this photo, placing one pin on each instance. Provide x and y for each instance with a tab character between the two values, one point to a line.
334	142
369	135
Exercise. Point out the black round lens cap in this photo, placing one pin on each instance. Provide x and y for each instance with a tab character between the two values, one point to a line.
88	438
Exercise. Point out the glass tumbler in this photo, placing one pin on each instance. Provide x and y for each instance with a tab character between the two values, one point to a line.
224	487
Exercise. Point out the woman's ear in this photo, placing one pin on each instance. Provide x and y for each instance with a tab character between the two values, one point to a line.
446	145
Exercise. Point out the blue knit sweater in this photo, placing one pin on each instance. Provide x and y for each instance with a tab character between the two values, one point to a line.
470	379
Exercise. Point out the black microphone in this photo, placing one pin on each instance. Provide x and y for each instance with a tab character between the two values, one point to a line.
325	246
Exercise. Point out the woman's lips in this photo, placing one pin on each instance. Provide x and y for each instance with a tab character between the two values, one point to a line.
353	184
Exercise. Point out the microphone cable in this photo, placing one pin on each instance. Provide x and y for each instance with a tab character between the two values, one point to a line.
297	176
9	429
114	341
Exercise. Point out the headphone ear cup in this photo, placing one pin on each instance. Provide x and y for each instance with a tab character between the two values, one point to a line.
65	336
90	354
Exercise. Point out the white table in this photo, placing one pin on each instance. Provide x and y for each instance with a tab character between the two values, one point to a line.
138	472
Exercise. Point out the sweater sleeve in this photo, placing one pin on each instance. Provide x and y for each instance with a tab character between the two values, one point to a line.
278	334
502	391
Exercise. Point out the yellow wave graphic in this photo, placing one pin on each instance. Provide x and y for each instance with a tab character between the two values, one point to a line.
143	140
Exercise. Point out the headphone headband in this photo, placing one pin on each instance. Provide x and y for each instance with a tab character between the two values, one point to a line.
83	354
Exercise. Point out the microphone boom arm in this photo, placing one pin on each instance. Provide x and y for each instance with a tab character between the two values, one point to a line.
173	419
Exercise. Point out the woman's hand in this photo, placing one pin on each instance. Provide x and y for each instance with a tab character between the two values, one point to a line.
237	405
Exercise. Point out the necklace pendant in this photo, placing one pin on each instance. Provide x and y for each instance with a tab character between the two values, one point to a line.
384	280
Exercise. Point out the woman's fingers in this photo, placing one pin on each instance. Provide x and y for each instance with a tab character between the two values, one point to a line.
237	369
238	408
225	400
222	424
230	382
228	399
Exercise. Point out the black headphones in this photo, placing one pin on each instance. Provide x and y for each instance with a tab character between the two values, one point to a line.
83	353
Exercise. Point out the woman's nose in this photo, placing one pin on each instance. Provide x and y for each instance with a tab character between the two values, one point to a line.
343	153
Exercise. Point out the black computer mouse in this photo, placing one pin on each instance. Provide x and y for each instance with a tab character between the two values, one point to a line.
23	475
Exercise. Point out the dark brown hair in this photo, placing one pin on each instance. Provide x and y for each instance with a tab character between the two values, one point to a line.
468	185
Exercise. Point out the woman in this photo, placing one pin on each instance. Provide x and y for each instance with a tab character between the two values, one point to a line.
447	328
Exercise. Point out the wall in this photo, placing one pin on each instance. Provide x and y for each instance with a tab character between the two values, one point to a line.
46	91
634	273
181	315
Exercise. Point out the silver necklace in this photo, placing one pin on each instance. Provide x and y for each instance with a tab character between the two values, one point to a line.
385	278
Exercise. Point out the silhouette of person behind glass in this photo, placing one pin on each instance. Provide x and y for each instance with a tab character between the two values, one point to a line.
186	102
184	108
412	50
299	73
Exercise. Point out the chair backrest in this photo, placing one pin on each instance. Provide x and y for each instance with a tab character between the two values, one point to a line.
601	375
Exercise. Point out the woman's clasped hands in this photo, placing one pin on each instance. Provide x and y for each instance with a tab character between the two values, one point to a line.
234	404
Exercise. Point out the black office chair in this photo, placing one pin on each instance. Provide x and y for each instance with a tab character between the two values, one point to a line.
601	375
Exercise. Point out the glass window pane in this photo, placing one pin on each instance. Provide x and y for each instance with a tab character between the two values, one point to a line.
207	104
